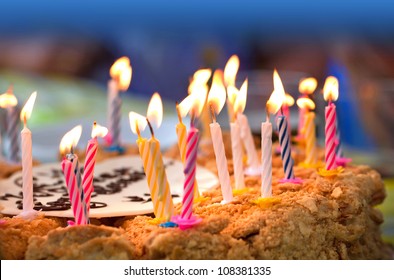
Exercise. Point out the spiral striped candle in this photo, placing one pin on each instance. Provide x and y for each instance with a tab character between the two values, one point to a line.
90	161
114	112
69	167
181	135
266	159
330	130
190	173
149	150
284	141
236	147
309	132
13	124
221	161
247	138
27	174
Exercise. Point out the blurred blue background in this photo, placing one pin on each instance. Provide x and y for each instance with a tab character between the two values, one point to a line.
168	40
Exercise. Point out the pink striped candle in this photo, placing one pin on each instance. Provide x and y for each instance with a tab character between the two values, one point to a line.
331	92
330	130
90	161
69	166
190	173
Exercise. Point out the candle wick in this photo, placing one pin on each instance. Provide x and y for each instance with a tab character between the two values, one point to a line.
138	130
179	113
24	120
192	119
72	149
150	128
267	113
281	110
212	113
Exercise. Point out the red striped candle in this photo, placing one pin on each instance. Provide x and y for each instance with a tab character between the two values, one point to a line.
75	193
90	161
330	93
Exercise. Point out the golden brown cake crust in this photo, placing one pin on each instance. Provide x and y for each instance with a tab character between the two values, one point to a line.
323	218
87	242
15	233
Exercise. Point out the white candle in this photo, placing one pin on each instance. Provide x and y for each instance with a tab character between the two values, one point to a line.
121	73
221	161
236	147
266	159
27	172
247	137
27	161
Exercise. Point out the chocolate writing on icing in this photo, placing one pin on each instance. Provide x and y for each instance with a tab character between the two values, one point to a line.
107	183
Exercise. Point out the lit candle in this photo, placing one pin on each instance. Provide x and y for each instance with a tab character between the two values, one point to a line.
229	76
216	100
199	82
273	105
71	173
27	160
9	102
182	109
306	87
195	101
309	131
284	136
90	161
121	76
152	158
330	94
181	135
266	158
236	143
253	163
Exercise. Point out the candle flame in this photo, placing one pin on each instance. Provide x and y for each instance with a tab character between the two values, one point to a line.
231	70
217	93
307	85
232	93
155	110
289	100
137	120
200	78
28	108
185	106
240	102
121	72
8	99
330	89
305	103
193	103
278	95
70	139
98	130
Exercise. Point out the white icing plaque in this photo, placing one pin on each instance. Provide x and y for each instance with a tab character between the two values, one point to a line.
120	188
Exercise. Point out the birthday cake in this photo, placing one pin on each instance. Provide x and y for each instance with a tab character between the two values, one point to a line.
322	218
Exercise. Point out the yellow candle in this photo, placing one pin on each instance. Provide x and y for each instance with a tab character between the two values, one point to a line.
163	207
310	139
